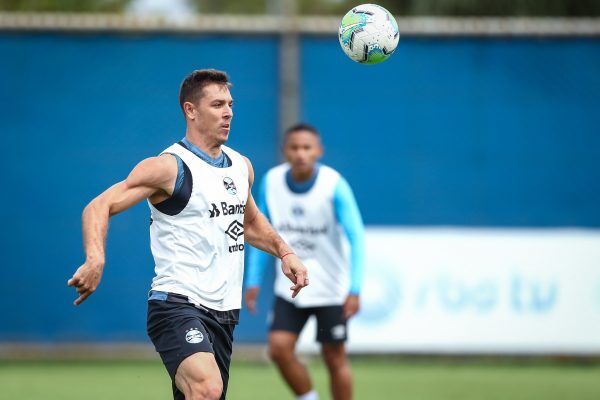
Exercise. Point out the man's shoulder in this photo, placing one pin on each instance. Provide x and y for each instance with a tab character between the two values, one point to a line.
274	177
329	174
156	171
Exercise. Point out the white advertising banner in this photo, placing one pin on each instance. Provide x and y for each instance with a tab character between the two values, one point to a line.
456	290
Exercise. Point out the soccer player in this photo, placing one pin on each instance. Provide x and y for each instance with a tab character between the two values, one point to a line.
198	191
312	207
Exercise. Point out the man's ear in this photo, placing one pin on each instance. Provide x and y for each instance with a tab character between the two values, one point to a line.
190	110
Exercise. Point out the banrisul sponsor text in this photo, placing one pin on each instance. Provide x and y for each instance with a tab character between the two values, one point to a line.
224	208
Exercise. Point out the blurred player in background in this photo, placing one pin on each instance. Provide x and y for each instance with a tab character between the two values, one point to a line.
199	195
312	207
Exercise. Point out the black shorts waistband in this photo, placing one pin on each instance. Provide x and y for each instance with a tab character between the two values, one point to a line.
230	317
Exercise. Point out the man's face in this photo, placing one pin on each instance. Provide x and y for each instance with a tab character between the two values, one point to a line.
213	112
302	149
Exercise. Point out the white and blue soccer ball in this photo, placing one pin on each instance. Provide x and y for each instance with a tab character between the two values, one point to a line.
368	34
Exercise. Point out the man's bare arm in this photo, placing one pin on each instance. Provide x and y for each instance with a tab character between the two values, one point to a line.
153	178
260	234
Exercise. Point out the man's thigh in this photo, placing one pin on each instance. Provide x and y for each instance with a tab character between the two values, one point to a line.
287	317
177	331
198	369
180	331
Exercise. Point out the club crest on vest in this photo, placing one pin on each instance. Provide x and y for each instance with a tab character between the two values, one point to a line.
229	185
298	211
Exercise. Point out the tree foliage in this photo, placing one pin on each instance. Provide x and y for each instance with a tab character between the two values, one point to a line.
64	5
463	7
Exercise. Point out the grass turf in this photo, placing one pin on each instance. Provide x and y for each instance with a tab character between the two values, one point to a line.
374	379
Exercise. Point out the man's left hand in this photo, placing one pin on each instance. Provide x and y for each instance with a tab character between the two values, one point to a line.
296	272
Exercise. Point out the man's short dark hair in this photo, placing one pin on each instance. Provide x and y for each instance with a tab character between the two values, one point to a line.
192	85
301	126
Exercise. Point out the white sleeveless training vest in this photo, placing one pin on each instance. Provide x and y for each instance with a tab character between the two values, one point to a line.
307	222
199	252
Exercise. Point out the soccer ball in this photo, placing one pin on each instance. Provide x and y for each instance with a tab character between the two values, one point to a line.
368	34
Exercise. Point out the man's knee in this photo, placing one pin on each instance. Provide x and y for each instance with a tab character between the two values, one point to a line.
281	346
207	389
279	352
334	355
199	378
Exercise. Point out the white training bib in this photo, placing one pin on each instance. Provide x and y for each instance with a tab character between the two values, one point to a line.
199	252
307	222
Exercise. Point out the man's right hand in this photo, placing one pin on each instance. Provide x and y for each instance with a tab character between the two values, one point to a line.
86	279
251	298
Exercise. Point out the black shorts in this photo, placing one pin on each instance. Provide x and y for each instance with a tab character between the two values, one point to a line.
178	330
331	324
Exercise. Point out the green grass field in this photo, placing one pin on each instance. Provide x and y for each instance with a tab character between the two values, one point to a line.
374	379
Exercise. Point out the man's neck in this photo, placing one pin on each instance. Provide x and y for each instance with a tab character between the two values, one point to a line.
199	140
302	176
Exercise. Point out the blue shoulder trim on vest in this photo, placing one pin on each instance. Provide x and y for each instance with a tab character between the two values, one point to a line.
223	161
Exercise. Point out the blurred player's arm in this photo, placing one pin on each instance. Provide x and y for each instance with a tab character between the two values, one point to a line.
257	259
260	234
154	179
348	215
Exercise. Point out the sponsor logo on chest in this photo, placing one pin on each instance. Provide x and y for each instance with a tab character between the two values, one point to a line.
223	208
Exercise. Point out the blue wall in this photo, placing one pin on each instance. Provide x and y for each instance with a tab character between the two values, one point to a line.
502	132
448	131
78	112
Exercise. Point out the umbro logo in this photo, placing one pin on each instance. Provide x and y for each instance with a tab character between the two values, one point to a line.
235	230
